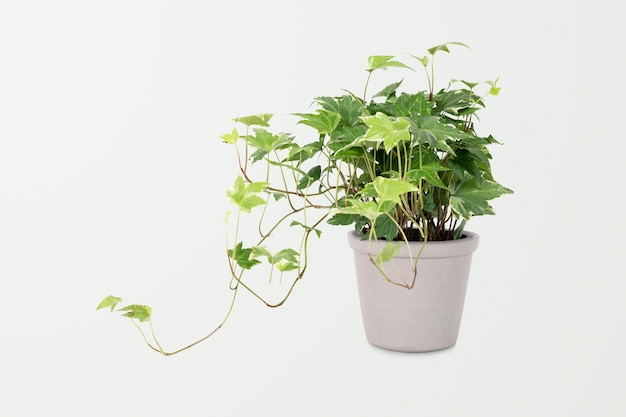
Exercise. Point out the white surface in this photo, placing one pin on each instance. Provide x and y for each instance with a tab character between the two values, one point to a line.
112	180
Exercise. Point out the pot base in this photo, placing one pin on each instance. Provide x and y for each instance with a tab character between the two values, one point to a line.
411	349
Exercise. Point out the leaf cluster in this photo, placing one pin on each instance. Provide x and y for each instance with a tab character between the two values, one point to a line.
401	165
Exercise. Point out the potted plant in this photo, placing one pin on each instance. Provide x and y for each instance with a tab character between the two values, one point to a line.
406	170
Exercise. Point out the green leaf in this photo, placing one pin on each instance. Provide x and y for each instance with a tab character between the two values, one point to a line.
288	254
367	209
429	173
303	153
390	250
469	84
327	103
494	90
469	196
386	206
464	161
430	206
139	312
318	232
444	47
409	104
343	219
243	256
347	137
385	227
286	266
231	137
456	101
430	130
246	196
383	128
350	109
477	147
424	60
109	301
387	189
323	121
428	157
383	62
255	120
248	255
388	90
268	141
260	251
278	196
313	175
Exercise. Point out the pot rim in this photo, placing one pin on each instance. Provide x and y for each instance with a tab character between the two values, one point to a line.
434	249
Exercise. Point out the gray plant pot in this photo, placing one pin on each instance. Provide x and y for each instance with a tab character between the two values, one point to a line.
426	317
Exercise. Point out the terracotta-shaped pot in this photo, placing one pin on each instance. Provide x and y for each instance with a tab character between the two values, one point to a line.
426	317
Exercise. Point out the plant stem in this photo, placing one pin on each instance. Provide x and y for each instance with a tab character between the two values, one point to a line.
369	75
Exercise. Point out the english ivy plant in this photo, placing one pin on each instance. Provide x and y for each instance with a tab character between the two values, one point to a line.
398	166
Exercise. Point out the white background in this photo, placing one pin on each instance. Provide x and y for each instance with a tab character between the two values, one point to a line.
112	181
